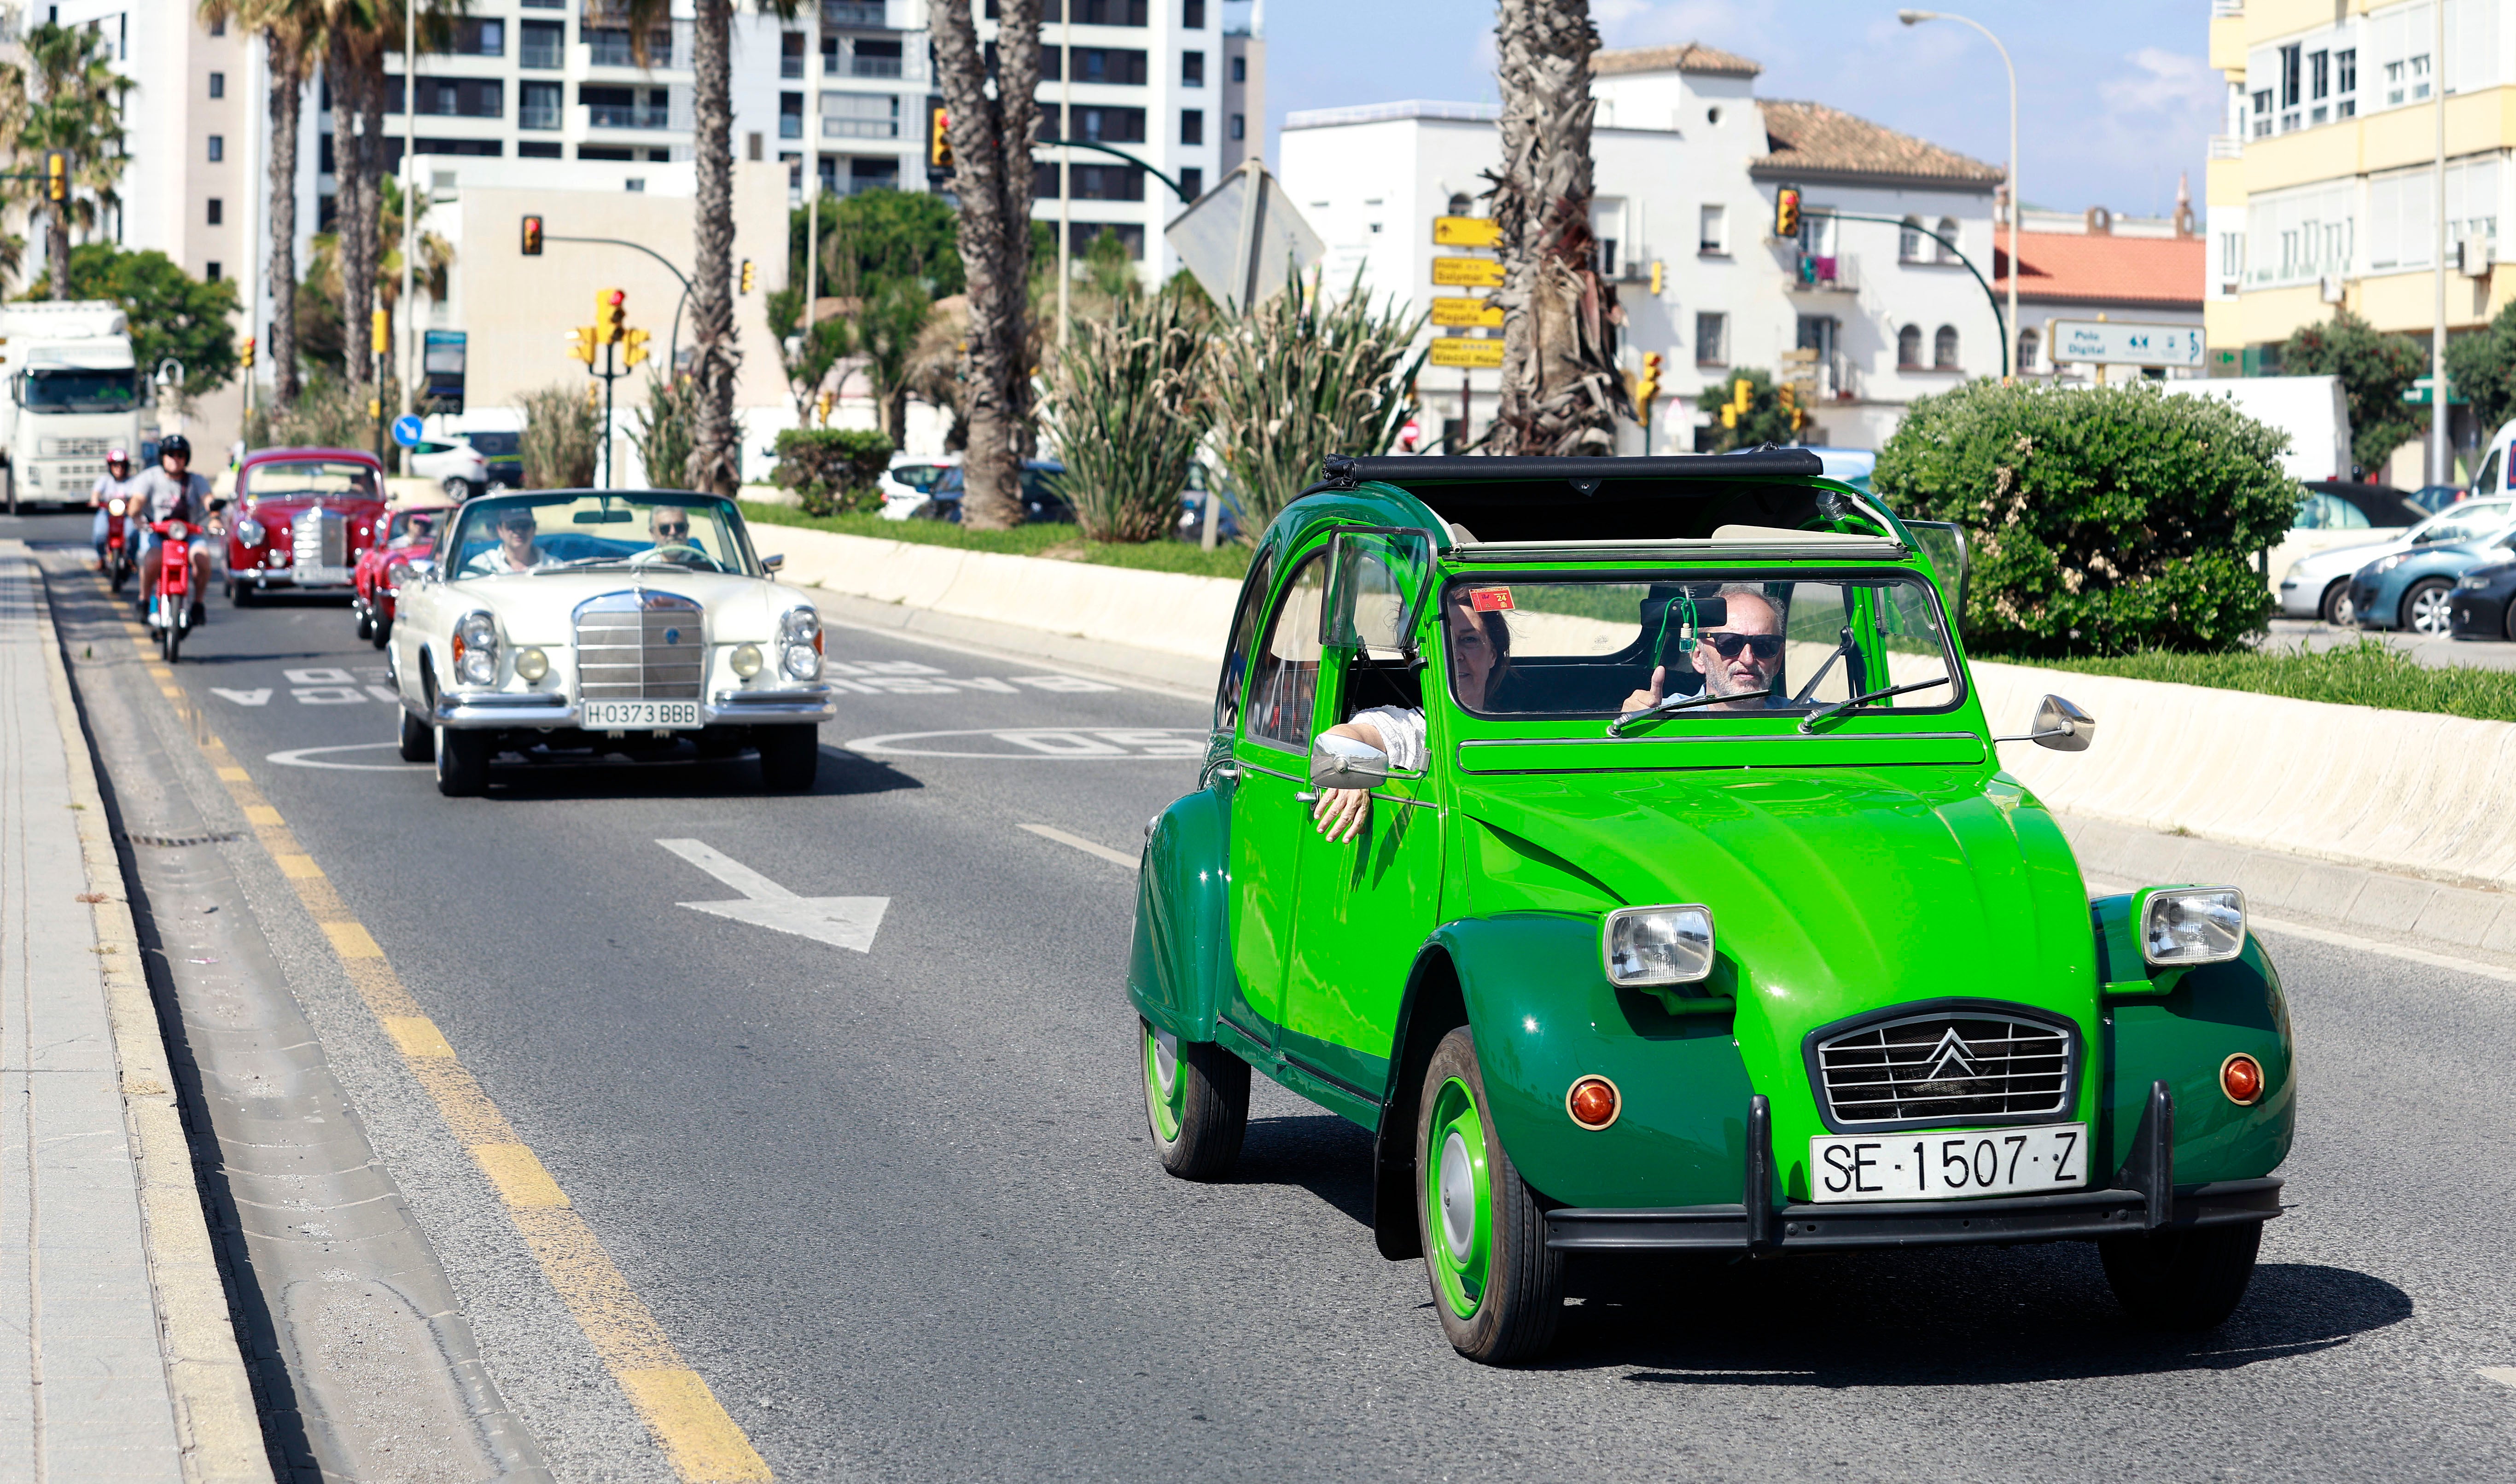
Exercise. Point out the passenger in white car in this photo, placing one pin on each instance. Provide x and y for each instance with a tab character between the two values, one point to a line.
516	551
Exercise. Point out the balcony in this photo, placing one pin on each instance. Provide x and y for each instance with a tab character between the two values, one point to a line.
667	48
790	66
842	127
626	115
790	126
1839	273
863	14
875	67
2226	146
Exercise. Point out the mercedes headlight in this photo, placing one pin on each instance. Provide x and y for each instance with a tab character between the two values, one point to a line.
2185	925
476	650
531	664
1658	945
249	530
799	644
748	660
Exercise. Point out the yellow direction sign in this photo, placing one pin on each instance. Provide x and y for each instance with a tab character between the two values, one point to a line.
1466	232
1468	355
1467	272
1466	314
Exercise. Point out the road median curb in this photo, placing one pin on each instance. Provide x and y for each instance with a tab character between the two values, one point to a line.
218	1427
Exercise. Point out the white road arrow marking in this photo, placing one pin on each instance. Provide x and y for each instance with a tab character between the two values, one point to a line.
260	697
841	921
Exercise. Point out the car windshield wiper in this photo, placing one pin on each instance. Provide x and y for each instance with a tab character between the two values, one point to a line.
1617	727
1810	722
1823	671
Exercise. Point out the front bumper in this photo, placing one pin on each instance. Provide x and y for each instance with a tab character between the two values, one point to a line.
2142	1198
2364	603
502	710
326	580
2479	613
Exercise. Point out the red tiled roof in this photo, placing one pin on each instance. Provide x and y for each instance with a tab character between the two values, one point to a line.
2066	266
1692	56
1810	140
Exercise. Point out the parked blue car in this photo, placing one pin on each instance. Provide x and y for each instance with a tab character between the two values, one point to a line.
2414	590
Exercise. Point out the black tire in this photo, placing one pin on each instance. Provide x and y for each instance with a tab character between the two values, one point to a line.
2335	608
462	762
117	572
170	638
384	633
2428	608
2184	1281
790	756
2507	621
241	594
366	626
417	744
1520	1297
1196	1107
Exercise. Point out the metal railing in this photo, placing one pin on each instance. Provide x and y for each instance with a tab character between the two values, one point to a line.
790	126
865	13
530	114
616	115
541	51
608	48
874	66
842	127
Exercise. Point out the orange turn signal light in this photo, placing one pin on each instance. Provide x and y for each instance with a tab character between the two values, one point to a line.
2240	1077
1593	1102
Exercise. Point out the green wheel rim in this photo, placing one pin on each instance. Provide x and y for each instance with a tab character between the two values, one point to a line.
1459	1200
1165	1091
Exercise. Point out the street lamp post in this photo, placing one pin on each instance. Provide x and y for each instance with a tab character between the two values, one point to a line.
409	204
2441	404
1917	18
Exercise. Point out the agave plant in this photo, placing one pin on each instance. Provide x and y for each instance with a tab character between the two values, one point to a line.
562	438
1126	408
1304	376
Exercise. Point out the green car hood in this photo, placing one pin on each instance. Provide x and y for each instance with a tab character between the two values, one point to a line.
1834	891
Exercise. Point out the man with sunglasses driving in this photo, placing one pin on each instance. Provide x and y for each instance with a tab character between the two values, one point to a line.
1741	655
669	528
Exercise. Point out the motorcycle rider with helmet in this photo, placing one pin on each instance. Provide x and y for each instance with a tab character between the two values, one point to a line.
169	493
115	483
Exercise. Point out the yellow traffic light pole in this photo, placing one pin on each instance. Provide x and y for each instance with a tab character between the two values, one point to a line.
623	349
679	276
1791	223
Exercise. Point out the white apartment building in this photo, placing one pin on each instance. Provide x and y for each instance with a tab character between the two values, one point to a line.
1688	163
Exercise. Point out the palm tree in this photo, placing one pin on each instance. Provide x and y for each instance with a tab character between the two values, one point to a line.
72	103
293	37
325	267
1561	394
991	136
358	35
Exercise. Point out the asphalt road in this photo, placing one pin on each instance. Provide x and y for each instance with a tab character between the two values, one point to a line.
897	1207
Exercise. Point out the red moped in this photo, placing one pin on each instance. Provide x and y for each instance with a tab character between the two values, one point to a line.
170	609
121	560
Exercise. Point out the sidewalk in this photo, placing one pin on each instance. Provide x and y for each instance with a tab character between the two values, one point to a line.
117	1358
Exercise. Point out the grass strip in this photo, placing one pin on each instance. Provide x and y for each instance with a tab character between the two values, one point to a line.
1057	542
2364	674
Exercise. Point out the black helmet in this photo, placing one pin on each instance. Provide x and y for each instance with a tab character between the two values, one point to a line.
175	443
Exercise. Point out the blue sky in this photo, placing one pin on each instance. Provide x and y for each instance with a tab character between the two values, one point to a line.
2114	96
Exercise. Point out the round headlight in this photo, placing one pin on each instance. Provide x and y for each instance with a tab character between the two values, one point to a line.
115	505
799	643
802	663
249	530
531	664
746	661
476	650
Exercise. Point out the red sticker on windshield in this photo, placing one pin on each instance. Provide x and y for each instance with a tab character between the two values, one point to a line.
1490	599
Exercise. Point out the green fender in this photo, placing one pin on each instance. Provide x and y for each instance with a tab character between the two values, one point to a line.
1543	1013
2178	1027
1176	971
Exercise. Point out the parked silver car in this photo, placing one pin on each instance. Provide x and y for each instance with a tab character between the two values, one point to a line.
2318	584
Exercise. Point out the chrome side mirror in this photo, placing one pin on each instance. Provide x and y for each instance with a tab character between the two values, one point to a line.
771	563
2059	726
1342	762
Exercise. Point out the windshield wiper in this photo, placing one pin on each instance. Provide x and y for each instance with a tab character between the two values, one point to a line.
1617	727
1810	722
1823	671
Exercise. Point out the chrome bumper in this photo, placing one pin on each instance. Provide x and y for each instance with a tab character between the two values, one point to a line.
287	577
504	709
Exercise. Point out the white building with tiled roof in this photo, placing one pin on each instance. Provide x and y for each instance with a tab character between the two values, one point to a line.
1688	162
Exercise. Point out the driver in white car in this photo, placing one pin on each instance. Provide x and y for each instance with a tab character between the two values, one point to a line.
669	528
516	551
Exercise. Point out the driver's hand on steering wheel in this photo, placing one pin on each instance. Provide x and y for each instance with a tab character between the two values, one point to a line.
1342	813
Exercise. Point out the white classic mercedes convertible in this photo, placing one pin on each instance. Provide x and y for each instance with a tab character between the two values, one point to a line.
606	621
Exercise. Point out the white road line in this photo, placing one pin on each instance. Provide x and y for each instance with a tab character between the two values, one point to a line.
1088	847
1110	677
848	922
2389	949
731	872
2505	1376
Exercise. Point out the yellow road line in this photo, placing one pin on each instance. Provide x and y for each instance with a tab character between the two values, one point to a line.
703	1441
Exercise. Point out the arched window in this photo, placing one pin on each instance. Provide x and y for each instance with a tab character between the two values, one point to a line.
1909	240
1943	349
1460	204
2029	343
1948	229
1909	347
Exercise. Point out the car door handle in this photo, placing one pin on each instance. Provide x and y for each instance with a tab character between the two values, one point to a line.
1227	772
1306	798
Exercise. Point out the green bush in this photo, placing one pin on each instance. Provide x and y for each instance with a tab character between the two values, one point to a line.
833	469
2101	522
560	439
1127	407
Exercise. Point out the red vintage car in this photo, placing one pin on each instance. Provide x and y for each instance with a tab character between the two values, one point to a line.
303	517
410	529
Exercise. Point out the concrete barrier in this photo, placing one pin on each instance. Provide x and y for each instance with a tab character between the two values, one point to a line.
1171	613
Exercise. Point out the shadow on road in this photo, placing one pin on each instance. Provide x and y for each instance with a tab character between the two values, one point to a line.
1321	1153
1946	1317
577	776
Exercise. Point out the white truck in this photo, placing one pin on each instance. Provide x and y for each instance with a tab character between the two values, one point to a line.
2311	410
72	392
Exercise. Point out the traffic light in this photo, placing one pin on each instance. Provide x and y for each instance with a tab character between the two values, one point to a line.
593	397
1728	415
247	353
1790	400
1786	212
532	237
633	347
821	407
380	330
1648	387
610	316
938	140
581	343
1742	394
750	278
1657	278
57	177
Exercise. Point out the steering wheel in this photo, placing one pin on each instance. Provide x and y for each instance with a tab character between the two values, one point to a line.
674	551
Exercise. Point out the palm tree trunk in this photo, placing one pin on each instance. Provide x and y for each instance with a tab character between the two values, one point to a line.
991	144
353	161
716	462
57	247
1561	394
287	102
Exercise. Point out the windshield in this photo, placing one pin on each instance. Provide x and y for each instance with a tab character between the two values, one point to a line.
644	528
495	444
2467	523
1580	646
412	525
81	391
296	478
